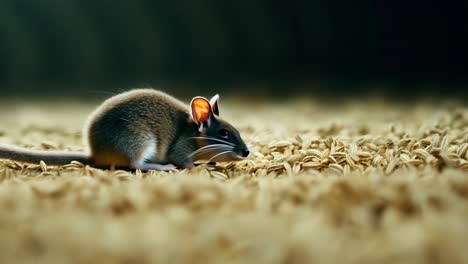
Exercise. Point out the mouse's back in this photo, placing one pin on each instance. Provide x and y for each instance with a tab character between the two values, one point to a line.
138	122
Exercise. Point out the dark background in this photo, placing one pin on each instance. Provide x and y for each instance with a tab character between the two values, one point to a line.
244	47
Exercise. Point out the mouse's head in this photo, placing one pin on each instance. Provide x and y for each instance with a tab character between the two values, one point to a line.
217	139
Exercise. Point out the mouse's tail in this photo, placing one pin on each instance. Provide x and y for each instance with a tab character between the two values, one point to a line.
49	157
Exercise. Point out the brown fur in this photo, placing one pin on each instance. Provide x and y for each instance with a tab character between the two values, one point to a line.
140	115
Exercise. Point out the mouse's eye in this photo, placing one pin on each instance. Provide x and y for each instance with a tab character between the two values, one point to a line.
223	133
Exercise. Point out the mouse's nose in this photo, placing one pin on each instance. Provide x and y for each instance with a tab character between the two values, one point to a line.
245	152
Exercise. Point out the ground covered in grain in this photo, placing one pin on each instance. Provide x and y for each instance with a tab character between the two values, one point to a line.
358	182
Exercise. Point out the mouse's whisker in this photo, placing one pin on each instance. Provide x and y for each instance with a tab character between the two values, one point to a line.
214	139
197	153
220	140
219	154
214	149
210	148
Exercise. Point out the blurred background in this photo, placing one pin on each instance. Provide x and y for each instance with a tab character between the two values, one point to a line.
404	49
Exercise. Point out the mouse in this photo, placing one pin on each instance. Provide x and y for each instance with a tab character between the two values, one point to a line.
147	129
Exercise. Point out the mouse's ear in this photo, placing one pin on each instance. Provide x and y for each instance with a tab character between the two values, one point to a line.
214	104
201	111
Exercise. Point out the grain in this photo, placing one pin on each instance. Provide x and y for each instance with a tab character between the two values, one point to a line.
324	182
391	166
43	166
219	175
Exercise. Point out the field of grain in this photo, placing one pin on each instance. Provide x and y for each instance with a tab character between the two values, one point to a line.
367	181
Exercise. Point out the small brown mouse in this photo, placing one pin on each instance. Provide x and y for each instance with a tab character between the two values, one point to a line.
148	130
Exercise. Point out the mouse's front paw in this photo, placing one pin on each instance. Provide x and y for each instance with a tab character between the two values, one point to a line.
168	167
155	166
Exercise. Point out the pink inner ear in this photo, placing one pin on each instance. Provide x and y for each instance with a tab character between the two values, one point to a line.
201	110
